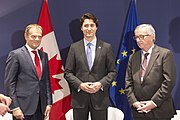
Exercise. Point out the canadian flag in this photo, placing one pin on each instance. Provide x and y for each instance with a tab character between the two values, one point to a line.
60	88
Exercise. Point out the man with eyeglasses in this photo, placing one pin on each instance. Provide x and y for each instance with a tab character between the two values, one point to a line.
150	78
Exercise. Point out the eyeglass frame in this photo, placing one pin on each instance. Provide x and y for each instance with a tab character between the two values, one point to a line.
141	37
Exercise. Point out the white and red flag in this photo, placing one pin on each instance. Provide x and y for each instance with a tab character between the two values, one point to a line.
60	88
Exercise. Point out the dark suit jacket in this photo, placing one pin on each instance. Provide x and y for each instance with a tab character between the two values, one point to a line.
77	72
158	82
22	83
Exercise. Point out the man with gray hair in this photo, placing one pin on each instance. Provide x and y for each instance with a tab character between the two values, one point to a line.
150	78
27	80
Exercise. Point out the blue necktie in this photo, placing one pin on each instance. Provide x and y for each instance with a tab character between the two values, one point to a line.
89	55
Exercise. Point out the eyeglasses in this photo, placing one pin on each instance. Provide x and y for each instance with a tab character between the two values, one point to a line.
141	37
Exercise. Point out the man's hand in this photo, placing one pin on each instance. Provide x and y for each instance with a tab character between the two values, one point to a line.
137	104
47	111
90	87
96	86
3	109
144	106
5	100
147	106
87	87
18	114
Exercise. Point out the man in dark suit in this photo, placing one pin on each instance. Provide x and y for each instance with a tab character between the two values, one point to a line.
90	76
150	78
27	79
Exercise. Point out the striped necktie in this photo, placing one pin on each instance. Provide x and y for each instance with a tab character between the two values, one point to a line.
144	66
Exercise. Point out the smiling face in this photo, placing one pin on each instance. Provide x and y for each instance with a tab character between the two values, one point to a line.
33	37
89	29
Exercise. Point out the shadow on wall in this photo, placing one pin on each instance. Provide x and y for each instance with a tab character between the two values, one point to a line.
174	34
174	40
17	40
76	35
2	66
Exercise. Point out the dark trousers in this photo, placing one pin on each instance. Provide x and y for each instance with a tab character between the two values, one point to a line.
38	115
83	113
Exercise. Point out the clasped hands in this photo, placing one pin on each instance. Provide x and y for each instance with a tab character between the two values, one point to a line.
144	106
90	87
4	104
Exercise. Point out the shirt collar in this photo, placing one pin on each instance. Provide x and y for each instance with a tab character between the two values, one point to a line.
93	42
149	51
30	49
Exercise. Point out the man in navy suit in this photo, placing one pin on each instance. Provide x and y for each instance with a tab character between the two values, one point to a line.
90	76
27	84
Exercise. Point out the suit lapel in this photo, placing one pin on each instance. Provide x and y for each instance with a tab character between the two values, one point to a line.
42	62
29	59
83	52
137	66
97	52
154	55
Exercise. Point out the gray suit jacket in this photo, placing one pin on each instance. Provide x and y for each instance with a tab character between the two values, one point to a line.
22	83
158	82
77	72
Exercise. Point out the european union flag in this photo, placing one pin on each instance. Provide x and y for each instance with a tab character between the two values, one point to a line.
127	47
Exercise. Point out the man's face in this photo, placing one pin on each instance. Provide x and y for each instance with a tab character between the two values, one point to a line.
89	29
144	40
34	37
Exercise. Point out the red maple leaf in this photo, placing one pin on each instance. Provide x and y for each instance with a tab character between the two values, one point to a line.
55	67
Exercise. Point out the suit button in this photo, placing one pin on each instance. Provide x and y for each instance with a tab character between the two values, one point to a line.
38	92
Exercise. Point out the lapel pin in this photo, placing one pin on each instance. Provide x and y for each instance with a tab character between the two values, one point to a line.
99	47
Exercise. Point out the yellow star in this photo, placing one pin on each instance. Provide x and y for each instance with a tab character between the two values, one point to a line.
114	83
124	53
117	61
133	51
122	91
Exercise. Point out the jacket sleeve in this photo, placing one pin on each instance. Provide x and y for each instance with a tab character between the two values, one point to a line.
169	76
69	70
111	69
48	84
11	71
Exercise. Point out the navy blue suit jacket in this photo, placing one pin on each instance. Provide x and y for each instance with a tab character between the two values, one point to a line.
22	83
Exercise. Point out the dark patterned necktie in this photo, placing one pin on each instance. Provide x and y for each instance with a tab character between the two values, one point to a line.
144	66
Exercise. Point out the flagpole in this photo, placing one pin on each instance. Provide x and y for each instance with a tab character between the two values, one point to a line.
60	88
127	47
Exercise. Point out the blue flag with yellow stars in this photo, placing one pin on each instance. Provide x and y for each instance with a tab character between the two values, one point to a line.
127	47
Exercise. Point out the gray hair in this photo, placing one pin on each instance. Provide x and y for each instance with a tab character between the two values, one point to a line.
148	28
32	26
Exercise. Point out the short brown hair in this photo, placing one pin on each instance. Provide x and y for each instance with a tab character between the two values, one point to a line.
89	16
